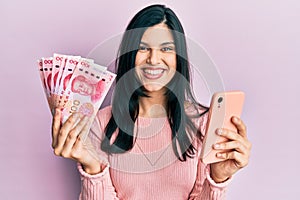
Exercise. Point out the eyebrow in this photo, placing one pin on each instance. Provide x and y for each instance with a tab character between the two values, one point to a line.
162	44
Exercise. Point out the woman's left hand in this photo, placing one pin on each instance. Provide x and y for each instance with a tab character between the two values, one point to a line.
236	151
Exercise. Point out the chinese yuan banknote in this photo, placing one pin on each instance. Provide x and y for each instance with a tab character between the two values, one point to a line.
47	70
43	80
74	84
87	88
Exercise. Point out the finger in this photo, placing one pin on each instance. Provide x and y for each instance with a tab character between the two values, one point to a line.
232	145
241	127
55	126
84	132
240	160
72	137
229	134
237	142
64	131
76	149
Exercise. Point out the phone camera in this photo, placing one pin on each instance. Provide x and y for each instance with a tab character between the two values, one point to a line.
220	99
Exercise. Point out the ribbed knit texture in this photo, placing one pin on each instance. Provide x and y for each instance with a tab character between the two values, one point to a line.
150	170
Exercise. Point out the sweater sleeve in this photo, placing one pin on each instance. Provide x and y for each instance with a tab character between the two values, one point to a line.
205	187
98	186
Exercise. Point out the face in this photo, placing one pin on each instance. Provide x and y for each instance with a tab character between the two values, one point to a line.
155	60
83	88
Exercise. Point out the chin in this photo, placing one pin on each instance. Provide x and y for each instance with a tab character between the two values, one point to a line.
154	88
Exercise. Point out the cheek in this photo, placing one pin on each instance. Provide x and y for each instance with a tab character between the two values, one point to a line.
171	62
140	59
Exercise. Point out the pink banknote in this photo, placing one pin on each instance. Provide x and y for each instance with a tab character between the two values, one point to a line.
58	66
74	84
66	69
87	88
47	70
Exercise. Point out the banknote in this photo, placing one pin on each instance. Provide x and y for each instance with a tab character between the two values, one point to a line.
42	77
58	66
74	84
67	68
87	88
47	70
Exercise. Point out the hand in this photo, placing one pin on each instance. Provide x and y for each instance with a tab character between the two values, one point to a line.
68	141
236	151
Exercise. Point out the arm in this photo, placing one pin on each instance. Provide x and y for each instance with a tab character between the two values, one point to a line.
212	179
96	187
205	187
69	142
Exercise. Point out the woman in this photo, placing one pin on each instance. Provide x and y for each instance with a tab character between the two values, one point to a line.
147	144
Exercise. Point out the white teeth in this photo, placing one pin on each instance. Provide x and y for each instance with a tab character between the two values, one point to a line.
153	72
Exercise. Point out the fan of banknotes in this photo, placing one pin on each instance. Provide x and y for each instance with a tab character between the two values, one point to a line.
74	84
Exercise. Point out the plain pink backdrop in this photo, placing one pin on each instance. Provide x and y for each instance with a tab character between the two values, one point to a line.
255	45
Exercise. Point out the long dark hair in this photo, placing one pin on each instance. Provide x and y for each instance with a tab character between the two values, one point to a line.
125	102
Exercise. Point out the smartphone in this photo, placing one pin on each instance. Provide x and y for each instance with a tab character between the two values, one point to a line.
223	106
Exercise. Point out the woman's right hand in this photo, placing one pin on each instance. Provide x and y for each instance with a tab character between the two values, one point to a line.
68	141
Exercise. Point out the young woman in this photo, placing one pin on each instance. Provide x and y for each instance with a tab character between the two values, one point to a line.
146	145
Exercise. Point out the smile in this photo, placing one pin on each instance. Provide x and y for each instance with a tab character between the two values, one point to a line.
153	73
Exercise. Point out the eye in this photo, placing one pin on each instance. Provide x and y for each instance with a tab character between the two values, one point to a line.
167	49
143	48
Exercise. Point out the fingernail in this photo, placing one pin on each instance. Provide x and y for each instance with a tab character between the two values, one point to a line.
216	146
219	155
219	131
235	119
57	111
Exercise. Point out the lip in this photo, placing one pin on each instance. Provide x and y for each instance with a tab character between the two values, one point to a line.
152	73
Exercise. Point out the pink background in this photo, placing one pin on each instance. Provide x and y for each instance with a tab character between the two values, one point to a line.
255	45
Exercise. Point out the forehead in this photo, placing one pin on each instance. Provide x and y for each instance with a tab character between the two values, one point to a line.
157	35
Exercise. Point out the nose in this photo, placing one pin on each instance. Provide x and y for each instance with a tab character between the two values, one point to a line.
154	57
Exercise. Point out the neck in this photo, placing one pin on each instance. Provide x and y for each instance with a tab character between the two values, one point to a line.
153	106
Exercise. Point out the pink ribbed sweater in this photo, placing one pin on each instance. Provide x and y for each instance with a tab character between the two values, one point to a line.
150	170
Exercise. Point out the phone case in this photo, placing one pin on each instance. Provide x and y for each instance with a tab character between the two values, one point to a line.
223	106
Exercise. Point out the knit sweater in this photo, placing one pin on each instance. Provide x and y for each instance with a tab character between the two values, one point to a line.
150	170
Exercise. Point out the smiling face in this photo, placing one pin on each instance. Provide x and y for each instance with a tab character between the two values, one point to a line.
156	58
